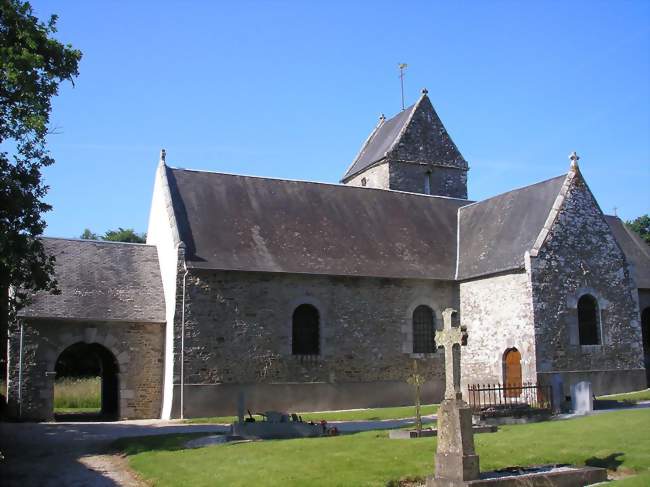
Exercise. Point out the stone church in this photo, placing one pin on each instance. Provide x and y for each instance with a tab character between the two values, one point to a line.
312	296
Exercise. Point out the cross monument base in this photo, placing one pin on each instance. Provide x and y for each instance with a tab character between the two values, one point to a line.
456	459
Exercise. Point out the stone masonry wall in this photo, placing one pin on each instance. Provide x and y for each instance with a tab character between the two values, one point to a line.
498	314
376	177
445	181
579	255
137	348
238	329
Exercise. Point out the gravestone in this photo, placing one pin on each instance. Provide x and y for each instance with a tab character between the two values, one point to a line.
557	392
582	400
456	459
241	406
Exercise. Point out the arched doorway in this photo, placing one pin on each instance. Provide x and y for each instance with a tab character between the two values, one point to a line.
645	332
512	377
87	370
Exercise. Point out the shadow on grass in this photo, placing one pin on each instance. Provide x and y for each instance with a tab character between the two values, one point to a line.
610	462
142	444
613	403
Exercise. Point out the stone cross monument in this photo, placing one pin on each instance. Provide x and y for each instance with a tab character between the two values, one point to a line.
456	459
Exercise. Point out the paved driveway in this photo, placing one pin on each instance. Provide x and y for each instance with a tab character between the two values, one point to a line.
73	454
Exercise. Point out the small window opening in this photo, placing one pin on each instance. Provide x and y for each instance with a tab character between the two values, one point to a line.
424	330
364	181
305	333
588	320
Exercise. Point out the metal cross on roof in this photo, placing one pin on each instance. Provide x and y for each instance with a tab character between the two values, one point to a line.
451	338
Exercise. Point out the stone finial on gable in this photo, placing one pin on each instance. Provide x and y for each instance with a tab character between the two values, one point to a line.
163	155
574	160
424	91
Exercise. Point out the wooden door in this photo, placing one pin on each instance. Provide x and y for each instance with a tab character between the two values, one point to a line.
512	372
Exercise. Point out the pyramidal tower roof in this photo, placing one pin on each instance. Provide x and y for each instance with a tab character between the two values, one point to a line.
416	134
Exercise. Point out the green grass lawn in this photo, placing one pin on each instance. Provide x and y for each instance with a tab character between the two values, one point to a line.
77	395
631	397
349	415
619	441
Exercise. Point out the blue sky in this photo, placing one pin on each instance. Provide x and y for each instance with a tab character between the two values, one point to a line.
291	90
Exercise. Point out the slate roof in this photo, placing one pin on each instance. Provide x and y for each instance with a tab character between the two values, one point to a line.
496	232
102	281
380	141
636	251
416	134
232	222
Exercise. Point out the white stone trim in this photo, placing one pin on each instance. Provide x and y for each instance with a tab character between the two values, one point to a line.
407	325
555	211
574	332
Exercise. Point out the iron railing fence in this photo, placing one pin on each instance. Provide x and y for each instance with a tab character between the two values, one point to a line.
509	396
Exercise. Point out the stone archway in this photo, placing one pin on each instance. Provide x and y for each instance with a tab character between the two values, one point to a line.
512	376
645	333
93	359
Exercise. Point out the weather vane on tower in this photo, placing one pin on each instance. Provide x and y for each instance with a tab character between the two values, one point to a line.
402	68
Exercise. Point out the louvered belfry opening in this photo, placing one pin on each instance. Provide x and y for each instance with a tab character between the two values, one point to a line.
588	320
424	330
306	333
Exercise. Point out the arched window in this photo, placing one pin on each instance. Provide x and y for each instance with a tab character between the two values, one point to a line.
424	330
305	333
588	320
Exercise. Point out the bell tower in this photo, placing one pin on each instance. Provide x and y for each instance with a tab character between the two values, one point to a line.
411	152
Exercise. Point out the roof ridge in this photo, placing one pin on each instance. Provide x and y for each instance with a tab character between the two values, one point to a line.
91	240
347	187
382	121
408	121
514	190
409	111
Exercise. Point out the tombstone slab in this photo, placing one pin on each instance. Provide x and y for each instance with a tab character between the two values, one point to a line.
582	399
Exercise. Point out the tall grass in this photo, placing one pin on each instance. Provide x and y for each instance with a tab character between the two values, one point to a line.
72	393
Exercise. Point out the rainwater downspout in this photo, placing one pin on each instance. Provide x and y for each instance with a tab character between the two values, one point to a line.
20	374
183	342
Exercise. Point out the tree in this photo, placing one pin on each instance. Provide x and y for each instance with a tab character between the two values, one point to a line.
641	225
32	66
125	235
119	235
88	235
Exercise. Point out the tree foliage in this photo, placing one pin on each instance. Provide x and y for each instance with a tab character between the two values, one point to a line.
641	225
119	235
32	66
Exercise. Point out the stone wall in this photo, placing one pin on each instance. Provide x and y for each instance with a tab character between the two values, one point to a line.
444	181
497	311
137	348
577	254
376	177
238	333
